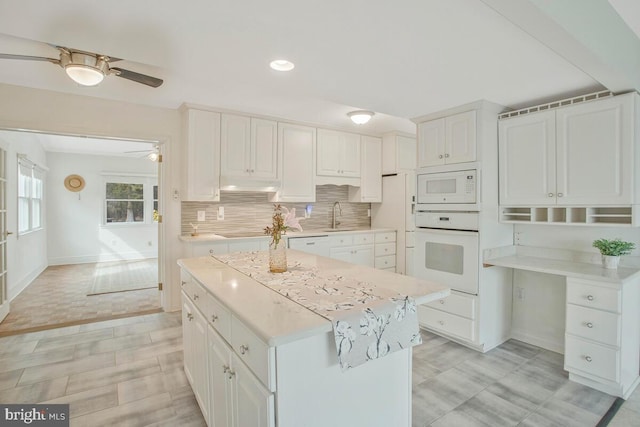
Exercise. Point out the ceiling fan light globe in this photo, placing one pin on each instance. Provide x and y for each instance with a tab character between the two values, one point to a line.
84	75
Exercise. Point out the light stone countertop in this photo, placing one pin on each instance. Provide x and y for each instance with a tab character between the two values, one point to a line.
278	320
555	261
206	237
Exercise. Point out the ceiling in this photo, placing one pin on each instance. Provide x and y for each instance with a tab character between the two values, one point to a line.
400	59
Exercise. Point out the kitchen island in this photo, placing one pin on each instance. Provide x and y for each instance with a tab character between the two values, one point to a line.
257	358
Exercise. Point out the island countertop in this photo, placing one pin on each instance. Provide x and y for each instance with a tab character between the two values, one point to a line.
275	318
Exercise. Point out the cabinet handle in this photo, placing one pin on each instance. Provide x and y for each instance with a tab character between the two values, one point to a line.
183	283
190	317
214	318
231	374
225	369
441	301
559	194
441	322
589	325
244	349
550	194
446	155
440	156
590	297
195	297
211	251
588	358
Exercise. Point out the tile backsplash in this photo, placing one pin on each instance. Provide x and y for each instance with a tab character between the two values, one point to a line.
252	211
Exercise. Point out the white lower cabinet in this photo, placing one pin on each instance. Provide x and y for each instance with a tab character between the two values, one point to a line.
194	327
454	315
220	386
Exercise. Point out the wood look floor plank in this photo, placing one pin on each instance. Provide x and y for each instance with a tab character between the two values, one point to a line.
47	344
139	413
111	344
30	360
36	392
149	350
88	401
59	369
9	379
102	376
141	388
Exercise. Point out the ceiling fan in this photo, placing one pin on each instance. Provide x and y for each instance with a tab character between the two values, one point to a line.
87	68
152	154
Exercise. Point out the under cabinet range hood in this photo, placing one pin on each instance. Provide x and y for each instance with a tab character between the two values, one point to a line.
249	184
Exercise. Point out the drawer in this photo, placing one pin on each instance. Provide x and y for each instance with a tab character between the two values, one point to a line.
591	359
197	294
596	325
386	237
218	316
340	240
455	304
446	322
254	352
391	270
588	295
383	249
363	239
385	261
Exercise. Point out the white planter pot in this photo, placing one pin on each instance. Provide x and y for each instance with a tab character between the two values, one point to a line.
609	261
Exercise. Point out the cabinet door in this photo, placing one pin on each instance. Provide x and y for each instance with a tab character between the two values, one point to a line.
298	145
187	338
363	255
264	149
594	152
253	403
342	254
527	153
371	172
199	348
431	142
235	145
350	160
406	154
460	138
202	135
220	386
330	152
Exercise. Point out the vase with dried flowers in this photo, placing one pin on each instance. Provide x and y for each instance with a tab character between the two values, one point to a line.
283	219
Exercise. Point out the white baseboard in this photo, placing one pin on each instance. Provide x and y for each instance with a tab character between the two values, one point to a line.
17	288
86	259
552	345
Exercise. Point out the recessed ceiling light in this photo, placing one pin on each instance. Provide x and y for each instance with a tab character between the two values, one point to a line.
282	65
360	117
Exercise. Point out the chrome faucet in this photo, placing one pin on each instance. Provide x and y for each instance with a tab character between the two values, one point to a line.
334	223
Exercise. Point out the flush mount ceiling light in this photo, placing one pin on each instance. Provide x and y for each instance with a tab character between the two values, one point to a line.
282	65
360	117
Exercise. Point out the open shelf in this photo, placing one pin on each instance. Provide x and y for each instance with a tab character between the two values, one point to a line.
570	215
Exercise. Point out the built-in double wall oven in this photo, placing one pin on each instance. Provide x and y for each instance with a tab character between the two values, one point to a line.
446	249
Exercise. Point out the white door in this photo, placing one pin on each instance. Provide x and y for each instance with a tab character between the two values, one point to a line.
264	149
527	153
460	137
235	145
4	299
449	257
431	141
594	152
253	403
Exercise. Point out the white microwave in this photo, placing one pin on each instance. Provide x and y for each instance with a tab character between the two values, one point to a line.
448	188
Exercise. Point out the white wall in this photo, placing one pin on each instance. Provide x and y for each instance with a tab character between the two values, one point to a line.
539	318
76	233
47	111
26	254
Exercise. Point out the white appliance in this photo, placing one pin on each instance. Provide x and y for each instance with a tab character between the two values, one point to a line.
317	245
397	211
447	249
454	187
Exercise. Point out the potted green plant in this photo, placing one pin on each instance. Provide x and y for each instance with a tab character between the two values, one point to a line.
611	251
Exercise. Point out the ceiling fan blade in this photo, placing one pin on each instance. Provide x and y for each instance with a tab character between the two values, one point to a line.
29	58
137	77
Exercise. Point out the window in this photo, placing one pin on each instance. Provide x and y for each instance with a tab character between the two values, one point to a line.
130	199
30	196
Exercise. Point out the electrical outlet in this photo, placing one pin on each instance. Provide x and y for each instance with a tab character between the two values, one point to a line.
220	213
369	213
201	216
520	293
307	211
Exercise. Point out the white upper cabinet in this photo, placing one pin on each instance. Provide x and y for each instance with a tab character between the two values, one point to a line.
577	155
447	140
201	133
398	153
370	189
298	149
338	154
249	150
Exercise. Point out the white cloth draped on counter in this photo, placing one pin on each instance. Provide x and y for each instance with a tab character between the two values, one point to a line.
369	322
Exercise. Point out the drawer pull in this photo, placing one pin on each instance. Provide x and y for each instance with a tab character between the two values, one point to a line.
441	301
183	283
244	349
231	374
590	297
190	317
195	297
589	325
225	369
588	358
441	322
211	251
214	317
550	194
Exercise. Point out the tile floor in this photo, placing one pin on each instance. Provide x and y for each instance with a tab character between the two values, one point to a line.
58	297
128	372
